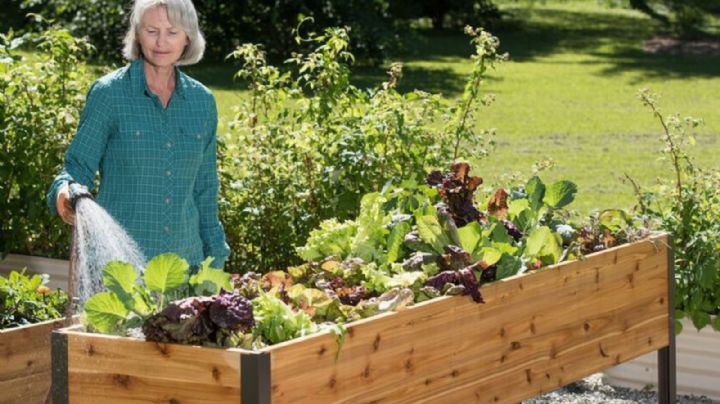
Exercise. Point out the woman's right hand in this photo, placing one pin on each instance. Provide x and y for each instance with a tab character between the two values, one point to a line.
63	205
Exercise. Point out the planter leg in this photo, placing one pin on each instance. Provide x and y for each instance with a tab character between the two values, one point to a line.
666	375
59	386
667	383
255	378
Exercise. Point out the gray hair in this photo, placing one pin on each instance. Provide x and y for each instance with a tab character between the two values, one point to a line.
181	14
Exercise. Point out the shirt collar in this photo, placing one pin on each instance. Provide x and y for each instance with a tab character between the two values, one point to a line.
139	83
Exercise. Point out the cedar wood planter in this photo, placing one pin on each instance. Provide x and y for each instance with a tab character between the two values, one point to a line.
25	362
535	332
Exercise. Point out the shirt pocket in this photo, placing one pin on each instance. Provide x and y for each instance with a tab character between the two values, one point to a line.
193	141
135	145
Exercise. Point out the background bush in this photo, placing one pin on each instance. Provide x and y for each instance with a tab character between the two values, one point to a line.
688	206
309	144
40	104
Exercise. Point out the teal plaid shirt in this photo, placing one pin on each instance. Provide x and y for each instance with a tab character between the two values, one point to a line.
158	166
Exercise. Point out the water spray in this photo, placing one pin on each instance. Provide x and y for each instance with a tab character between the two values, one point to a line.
77	192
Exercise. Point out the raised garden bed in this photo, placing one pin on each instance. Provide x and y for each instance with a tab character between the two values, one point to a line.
25	371
535	332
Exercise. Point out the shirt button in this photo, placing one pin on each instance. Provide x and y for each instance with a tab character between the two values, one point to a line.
198	136
168	173
168	144
167	229
137	133
168	200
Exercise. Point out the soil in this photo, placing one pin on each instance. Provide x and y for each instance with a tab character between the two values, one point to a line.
674	46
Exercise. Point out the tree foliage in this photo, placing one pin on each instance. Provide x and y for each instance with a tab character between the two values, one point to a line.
685	17
375	25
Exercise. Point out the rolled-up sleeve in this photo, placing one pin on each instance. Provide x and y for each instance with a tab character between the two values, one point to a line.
206	198
85	152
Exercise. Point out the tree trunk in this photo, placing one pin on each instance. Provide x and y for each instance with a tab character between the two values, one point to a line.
643	6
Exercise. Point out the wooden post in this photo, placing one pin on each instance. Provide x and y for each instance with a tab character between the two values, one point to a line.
667	383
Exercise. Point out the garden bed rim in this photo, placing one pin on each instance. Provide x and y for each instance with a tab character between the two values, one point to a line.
80	330
74	318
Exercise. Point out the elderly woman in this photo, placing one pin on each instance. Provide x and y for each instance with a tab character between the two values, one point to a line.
149	130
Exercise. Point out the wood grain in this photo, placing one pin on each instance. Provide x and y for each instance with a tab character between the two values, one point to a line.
534	333
25	357
106	369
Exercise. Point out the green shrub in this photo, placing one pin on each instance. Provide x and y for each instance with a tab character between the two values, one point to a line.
26	300
40	103
688	206
308	144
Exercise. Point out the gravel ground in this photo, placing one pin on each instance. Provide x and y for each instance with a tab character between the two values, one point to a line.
592	390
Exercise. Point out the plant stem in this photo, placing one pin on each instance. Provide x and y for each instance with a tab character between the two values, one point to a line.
673	153
311	185
466	107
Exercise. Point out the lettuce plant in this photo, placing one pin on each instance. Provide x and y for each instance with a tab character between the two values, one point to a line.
128	302
221	320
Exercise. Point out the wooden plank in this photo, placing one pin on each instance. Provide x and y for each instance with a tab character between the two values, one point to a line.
107	369
25	353
534	333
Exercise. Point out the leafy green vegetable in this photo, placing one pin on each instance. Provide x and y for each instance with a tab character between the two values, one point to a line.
507	266
208	281
276	322
490	255
470	235
315	303
221	320
431	232
396	240
106	312
127	302
165	273
560	194
542	243
614	219
120	278
369	240
331	239
375	279
535	190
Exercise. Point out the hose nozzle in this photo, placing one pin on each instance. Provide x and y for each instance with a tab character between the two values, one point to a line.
77	191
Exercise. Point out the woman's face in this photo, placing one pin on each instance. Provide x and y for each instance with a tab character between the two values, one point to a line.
162	44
